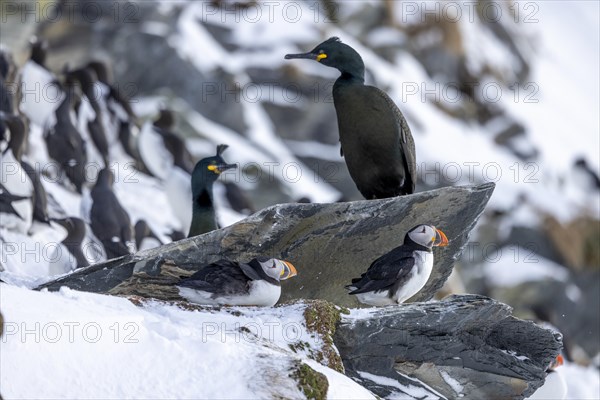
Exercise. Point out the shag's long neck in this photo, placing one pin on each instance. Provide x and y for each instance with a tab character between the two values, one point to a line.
203	212
352	68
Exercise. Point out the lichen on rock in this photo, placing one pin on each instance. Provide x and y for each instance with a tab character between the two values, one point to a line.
313	384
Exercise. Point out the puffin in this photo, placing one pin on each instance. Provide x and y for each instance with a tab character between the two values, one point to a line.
109	221
376	141
555	386
256	283
205	173
398	275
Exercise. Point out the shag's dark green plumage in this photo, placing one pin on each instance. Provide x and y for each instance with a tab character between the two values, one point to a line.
205	173
375	138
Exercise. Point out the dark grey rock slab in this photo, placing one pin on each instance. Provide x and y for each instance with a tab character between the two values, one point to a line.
328	243
466	346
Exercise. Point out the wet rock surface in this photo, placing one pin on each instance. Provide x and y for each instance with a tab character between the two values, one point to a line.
463	346
328	243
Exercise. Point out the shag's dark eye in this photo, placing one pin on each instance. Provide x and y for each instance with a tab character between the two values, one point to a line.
321	52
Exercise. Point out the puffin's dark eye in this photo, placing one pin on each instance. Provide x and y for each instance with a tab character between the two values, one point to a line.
273	264
423	231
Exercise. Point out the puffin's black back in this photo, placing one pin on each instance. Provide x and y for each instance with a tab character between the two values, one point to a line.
223	277
391	270
387	272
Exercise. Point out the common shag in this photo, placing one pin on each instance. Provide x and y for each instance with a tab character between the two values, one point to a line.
375	138
205	173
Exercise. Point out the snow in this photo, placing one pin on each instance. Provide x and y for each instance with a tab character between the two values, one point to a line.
414	392
513	265
570	381
514	354
340	387
560	122
582	382
453	383
100	346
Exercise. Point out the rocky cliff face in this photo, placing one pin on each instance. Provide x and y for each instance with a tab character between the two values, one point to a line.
464	346
328	243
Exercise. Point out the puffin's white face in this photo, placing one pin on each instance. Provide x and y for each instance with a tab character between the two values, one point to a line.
428	236
278	269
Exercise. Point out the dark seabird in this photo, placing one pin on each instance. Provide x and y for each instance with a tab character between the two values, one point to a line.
75	234
237	199
401	273
39	51
109	221
40	198
98	135
41	92
6	99
142	231
14	178
224	282
592	175
165	126
176	235
18	138
117	104
86	79
375	138
6	200
65	144
206	172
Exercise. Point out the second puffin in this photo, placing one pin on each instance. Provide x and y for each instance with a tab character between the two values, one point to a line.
400	274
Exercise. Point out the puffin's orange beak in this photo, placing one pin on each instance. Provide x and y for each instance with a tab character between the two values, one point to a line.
288	272
559	361
440	239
